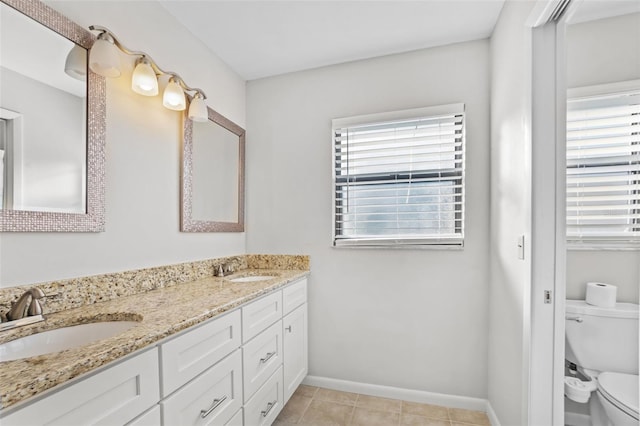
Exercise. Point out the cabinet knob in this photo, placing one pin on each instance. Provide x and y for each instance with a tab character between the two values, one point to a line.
288	329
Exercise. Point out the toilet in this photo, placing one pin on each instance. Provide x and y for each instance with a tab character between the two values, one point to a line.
602	347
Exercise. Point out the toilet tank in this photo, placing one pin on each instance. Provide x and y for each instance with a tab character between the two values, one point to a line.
602	339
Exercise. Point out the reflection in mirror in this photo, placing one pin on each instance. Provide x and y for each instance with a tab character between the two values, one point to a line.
212	176
51	123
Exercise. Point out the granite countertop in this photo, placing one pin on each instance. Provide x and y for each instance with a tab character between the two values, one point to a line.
160	313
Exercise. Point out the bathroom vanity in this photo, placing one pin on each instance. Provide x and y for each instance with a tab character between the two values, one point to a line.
213	351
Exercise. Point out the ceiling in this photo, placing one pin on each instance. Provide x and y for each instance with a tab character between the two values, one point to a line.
265	37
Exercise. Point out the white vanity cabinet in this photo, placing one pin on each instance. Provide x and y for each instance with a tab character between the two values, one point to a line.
114	396
295	360
295	340
236	369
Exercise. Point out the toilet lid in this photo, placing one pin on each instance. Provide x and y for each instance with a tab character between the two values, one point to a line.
621	389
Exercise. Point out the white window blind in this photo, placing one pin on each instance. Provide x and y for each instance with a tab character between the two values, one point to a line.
399	178
603	171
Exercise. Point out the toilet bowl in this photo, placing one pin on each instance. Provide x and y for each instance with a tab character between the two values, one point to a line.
618	394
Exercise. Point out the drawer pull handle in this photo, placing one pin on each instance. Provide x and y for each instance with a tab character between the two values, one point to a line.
288	329
216	404
270	405
267	358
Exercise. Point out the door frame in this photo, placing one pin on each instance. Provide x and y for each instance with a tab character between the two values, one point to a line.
548	215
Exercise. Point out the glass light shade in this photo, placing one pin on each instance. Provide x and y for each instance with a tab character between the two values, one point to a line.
173	97
144	80
198	109
76	64
103	58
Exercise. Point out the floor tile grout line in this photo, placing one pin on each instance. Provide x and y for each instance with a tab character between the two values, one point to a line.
306	408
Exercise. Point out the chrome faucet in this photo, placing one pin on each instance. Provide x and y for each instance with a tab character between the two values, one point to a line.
21	309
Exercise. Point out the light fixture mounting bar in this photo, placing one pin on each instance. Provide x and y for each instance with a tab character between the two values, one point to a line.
159	71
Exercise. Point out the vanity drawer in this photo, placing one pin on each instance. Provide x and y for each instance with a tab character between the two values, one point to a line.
258	315
294	296
186	356
265	405
213	398
261	357
113	396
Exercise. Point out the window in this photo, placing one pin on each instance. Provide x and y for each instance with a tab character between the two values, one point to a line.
399	178
603	171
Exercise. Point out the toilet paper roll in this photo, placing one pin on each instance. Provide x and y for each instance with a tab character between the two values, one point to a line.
601	294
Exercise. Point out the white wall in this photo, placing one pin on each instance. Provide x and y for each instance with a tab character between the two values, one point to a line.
510	280
414	319
142	159
600	52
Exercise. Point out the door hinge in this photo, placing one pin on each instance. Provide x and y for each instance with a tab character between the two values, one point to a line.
547	296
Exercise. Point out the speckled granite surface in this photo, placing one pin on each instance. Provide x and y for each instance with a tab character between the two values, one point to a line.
76	292
163	309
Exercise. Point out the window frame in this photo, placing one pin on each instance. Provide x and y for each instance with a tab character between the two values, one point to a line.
408	241
586	244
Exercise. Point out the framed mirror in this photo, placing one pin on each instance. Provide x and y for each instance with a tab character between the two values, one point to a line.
212	175
52	123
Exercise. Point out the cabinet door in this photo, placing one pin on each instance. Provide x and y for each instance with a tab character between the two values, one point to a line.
260	314
189	354
263	408
295	360
261	357
210	399
113	396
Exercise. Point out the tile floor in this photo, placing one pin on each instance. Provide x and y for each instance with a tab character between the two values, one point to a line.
311	406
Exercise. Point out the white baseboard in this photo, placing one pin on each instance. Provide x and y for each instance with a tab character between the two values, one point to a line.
493	418
411	395
576	419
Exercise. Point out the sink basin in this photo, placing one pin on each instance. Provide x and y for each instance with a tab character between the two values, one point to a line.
59	339
251	278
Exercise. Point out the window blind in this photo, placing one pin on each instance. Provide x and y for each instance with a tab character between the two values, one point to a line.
400	181
603	170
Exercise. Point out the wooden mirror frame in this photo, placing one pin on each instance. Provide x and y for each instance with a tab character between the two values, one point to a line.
93	220
187	223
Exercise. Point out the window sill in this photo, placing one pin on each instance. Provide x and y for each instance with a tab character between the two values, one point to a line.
591	247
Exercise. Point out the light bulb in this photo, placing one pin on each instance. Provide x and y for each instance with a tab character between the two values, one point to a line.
144	80
173	97
76	64
103	58
198	108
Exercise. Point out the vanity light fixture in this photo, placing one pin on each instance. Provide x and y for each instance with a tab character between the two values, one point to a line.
103	57
198	108
173	97
144	80
103	60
